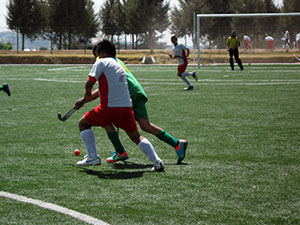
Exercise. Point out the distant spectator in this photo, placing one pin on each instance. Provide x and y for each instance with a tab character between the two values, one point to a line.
247	42
298	40
286	40
270	42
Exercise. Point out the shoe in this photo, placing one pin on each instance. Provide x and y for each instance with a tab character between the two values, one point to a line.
6	89
189	88
180	150
117	157
87	161
158	166
195	76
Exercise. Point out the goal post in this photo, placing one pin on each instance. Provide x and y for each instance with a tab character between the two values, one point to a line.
233	15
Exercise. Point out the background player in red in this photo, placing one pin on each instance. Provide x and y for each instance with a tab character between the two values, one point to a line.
181	52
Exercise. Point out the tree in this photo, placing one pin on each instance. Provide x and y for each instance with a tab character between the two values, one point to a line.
72	19
109	23
25	16
154	15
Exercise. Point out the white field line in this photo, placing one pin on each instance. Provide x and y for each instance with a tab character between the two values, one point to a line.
80	216
211	82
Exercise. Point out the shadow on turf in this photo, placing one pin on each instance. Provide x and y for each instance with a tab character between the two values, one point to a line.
117	174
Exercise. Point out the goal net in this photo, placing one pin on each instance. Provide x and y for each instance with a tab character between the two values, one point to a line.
212	31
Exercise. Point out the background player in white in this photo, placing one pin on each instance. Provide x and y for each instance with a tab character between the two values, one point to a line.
298	40
181	52
247	42
115	107
287	40
270	42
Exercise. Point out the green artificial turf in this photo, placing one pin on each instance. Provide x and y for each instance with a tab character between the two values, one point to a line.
242	164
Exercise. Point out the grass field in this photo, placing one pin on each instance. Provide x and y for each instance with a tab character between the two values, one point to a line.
242	164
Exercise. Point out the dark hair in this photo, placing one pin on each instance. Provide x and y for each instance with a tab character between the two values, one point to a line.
173	37
94	50
107	47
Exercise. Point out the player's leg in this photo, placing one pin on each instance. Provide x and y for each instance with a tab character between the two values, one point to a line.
231	58
128	124
120	153
141	116
88	138
181	73
5	88
237	58
147	148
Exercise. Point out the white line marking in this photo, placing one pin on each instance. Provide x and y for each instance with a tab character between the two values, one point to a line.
53	207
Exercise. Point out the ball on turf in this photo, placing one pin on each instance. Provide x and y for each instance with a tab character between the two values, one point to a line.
77	152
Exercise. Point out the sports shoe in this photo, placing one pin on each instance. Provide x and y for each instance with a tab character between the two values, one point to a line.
195	76
180	150
189	88
87	161
158	166
6	89
117	157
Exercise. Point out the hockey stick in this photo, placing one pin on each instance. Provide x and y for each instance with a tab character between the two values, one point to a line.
69	113
166	53
171	55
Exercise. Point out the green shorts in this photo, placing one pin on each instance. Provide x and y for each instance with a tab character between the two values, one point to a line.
139	108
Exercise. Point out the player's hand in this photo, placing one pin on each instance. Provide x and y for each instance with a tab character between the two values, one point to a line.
79	103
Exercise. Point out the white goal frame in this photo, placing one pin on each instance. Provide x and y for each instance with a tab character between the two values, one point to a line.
234	15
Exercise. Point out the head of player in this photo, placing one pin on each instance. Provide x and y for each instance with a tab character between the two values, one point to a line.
233	34
174	40
104	49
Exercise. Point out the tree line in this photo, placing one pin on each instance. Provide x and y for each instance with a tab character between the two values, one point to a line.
70	24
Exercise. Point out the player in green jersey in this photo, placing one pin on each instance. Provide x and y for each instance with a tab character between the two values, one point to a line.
139	99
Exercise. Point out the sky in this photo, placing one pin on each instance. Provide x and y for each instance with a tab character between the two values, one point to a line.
98	3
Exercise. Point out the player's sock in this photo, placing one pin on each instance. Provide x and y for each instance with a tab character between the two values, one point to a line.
186	81
168	138
185	74
88	138
115	140
149	151
1	88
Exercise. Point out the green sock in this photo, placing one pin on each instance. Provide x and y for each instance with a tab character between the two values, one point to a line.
168	138
1	87
115	140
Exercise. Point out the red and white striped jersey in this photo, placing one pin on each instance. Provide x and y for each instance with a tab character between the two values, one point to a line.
179	51
111	77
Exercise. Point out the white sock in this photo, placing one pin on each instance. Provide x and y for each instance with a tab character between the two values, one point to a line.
185	74
149	151
186	81
88	138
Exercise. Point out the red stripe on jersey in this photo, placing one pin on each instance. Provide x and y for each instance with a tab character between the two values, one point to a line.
184	56
93	79
103	89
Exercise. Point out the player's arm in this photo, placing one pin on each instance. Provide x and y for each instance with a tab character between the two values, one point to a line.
187	52
89	95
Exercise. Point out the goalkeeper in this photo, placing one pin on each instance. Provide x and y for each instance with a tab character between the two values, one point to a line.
139	99
233	42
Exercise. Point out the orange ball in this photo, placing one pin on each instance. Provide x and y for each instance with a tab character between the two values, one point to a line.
77	152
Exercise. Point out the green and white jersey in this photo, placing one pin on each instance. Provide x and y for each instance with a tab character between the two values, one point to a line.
135	88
